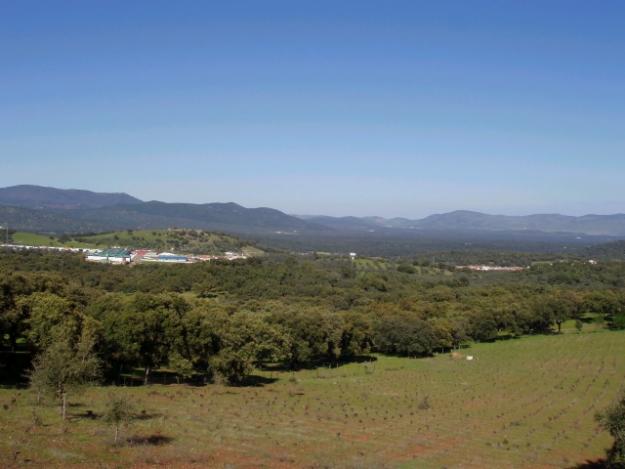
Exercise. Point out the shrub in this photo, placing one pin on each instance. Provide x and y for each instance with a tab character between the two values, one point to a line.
613	420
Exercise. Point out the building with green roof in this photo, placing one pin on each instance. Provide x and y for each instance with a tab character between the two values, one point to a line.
111	256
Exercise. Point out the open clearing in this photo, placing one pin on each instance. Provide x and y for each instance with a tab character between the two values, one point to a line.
195	241
529	402
34	239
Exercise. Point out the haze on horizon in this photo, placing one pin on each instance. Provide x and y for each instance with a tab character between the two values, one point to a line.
335	108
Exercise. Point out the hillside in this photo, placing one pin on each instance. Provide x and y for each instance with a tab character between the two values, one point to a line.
69	212
46	220
180	240
155	215
229	217
29	196
468	221
613	250
610	225
57	211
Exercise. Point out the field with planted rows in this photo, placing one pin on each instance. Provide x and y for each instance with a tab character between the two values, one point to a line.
526	402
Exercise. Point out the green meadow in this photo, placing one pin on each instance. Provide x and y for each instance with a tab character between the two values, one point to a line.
191	241
35	239
528	402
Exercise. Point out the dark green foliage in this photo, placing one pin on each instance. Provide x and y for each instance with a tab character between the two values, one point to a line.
406	269
66	362
403	334
613	420
483	327
579	325
246	342
144	330
226	318
618	321
315	335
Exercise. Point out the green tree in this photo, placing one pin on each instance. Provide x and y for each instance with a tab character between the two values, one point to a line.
560	306
11	322
618	321
119	411
63	365
50	316
405	334
143	331
579	325
180	365
204	340
483	327
357	335
315	335
613	420
248	341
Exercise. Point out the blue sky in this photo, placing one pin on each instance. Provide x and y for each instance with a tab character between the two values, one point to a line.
394	108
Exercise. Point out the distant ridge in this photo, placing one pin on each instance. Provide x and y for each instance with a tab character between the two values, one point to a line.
48	209
464	220
38	197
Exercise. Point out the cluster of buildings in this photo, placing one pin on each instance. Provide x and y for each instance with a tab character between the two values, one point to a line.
126	256
122	256
490	268
25	247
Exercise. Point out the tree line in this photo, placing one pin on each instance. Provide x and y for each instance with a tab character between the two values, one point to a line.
222	320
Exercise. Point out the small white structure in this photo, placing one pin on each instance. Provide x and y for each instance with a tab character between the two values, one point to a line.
352	255
111	256
171	257
470	358
232	256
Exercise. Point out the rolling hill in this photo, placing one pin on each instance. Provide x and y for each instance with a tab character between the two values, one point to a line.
180	240
49	210
38	197
468	221
45	221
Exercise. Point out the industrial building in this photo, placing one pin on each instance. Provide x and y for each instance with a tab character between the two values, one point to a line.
164	257
122	256
111	256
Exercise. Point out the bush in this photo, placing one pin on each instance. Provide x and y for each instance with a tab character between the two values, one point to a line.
613	420
618	321
119	411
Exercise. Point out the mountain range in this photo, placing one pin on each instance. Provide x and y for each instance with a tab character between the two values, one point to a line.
464	220
38	197
46	209
51	210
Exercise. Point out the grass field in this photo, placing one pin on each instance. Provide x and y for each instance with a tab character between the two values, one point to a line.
373	264
529	402
190	241
34	239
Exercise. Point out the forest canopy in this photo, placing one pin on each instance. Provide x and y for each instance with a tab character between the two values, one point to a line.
222	320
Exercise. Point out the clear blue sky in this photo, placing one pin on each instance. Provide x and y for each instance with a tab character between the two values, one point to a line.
395	108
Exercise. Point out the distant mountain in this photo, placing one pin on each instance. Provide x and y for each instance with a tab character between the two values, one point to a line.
467	221
606	225
37	197
46	209
43	209
227	217
44	220
343	223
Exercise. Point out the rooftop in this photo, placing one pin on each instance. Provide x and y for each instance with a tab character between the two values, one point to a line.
113	252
